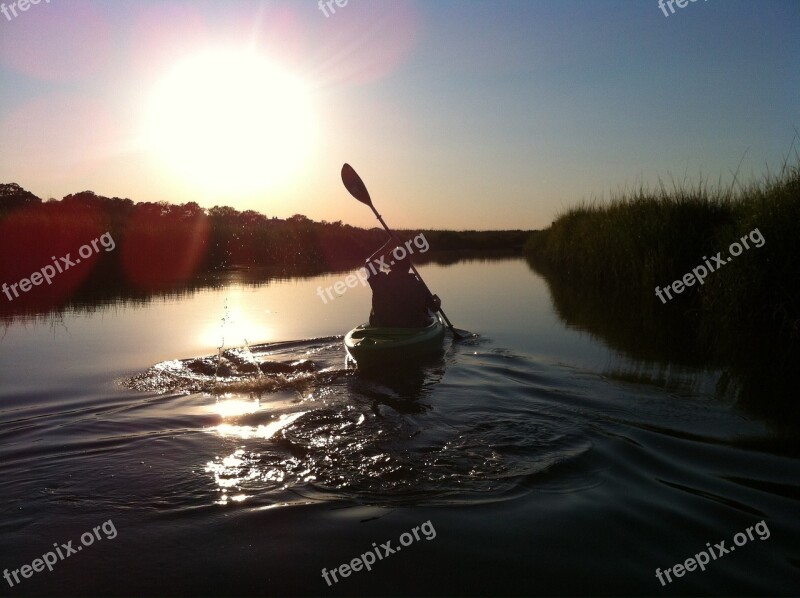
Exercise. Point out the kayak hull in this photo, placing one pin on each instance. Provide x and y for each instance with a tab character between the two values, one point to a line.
372	345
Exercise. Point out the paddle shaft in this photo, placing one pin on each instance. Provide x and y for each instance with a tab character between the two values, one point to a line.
397	239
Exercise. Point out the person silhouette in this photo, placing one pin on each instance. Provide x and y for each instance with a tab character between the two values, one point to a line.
399	298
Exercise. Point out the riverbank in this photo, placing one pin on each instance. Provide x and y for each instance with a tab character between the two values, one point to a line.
157	248
615	257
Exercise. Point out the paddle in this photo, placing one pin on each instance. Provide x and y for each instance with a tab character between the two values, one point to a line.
358	189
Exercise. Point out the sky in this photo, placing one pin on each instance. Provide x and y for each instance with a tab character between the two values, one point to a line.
457	114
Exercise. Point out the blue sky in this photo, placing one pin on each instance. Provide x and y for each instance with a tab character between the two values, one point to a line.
459	115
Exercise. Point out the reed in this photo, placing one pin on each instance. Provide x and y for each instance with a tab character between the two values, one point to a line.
618	252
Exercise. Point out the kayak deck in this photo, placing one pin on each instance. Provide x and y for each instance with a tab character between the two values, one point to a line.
368	344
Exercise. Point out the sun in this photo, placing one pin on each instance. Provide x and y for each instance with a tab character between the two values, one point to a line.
231	121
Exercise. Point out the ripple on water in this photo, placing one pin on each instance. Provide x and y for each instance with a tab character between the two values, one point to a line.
297	423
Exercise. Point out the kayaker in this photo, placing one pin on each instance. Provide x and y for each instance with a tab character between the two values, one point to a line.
399	298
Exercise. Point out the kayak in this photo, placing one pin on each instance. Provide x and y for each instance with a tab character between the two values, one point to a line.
369	345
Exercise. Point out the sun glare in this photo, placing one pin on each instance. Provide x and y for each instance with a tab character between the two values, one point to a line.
237	325
231	121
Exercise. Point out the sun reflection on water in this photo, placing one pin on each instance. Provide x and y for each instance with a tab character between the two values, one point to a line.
242	466
264	431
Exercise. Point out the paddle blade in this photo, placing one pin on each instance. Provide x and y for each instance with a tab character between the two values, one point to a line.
355	185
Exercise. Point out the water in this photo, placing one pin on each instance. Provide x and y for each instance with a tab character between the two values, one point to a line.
545	462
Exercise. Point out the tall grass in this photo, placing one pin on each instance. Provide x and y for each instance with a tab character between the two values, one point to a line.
616	253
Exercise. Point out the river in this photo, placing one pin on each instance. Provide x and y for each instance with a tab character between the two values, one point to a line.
529	459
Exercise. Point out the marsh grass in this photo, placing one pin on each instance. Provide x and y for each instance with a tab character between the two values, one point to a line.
610	256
